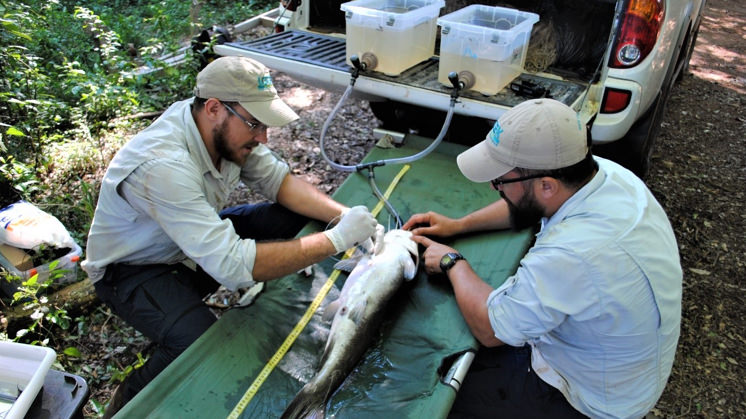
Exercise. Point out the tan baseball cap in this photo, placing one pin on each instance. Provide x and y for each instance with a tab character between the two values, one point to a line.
246	81
537	134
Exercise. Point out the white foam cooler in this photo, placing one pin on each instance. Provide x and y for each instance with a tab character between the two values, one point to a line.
400	33
490	42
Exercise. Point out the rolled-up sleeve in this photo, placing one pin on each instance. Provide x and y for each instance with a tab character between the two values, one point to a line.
172	196
549	285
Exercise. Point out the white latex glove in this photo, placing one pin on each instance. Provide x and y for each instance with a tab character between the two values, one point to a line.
356	225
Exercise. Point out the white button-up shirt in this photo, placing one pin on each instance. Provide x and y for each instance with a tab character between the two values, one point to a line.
598	297
160	199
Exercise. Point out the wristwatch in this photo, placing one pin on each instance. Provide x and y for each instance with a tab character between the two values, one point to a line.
450	259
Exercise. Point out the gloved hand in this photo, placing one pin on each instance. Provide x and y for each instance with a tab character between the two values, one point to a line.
356	225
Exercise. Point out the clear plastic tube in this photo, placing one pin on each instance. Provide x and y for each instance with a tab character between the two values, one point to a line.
398	160
370	166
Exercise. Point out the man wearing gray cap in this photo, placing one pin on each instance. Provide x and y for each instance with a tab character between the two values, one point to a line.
591	317
161	239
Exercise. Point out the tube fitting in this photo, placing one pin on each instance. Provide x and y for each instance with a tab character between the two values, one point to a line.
369	61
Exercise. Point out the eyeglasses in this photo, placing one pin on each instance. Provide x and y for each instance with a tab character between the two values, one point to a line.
499	182
253	126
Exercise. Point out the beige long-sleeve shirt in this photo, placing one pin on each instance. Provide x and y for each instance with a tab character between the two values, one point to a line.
160	199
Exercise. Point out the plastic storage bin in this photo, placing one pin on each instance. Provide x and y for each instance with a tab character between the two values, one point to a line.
489	42
17	265
400	33
62	396
23	369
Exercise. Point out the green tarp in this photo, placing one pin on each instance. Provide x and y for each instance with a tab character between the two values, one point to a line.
401	372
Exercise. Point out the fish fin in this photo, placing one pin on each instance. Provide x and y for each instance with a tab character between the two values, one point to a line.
306	404
357	311
348	264
410	268
411	263
369	246
380	234
330	310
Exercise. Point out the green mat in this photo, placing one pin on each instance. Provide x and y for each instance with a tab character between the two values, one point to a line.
401	372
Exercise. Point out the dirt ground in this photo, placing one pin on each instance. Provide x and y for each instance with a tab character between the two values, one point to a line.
698	168
698	174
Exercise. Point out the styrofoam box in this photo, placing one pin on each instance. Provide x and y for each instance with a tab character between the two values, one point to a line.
400	33
23	369
490	42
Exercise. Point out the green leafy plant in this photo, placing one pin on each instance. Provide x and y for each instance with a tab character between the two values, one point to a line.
23	177
118	375
45	316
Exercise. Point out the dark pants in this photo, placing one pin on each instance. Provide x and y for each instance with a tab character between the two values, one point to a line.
502	384
164	302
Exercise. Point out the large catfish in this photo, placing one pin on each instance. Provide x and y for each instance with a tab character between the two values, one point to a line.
357	315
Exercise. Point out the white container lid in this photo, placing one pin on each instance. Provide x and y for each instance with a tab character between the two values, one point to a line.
392	14
498	24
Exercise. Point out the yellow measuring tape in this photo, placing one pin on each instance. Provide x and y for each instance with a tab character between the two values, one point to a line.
280	353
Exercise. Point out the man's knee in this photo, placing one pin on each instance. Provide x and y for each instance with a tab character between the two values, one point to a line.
187	327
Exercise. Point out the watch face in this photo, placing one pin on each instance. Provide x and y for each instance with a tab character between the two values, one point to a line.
448	260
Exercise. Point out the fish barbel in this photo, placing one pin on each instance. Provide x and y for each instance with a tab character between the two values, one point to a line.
357	314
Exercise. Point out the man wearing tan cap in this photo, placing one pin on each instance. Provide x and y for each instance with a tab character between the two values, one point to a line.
161	239
591	317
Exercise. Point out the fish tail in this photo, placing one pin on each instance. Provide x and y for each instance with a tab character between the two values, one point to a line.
305	405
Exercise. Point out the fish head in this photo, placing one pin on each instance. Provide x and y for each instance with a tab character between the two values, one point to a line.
402	239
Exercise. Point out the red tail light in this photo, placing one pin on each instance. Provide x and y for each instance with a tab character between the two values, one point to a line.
290	5
641	24
615	100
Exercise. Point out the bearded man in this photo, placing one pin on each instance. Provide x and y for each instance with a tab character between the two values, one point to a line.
588	324
161	237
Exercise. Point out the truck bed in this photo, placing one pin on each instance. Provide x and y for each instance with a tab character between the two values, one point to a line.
319	60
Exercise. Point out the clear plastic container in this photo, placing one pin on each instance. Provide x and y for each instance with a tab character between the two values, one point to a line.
68	263
489	42
22	372
400	33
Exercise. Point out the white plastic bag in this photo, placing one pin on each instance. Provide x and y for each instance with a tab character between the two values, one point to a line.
27	227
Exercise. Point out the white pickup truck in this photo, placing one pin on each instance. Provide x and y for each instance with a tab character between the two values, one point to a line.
614	61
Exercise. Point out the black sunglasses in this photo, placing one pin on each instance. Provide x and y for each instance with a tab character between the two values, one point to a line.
499	182
253	126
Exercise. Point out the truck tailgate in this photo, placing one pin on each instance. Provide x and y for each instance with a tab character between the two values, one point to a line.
319	60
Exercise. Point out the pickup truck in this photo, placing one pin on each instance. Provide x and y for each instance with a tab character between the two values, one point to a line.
613	61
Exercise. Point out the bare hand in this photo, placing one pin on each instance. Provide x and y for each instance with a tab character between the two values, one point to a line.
431	224
433	253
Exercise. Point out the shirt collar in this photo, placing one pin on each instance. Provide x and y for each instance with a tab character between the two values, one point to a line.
196	144
576	199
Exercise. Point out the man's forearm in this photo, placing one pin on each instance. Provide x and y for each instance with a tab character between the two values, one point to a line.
277	259
492	217
471	294
303	198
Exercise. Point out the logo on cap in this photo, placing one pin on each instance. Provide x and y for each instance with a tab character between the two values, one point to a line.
264	82
495	133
